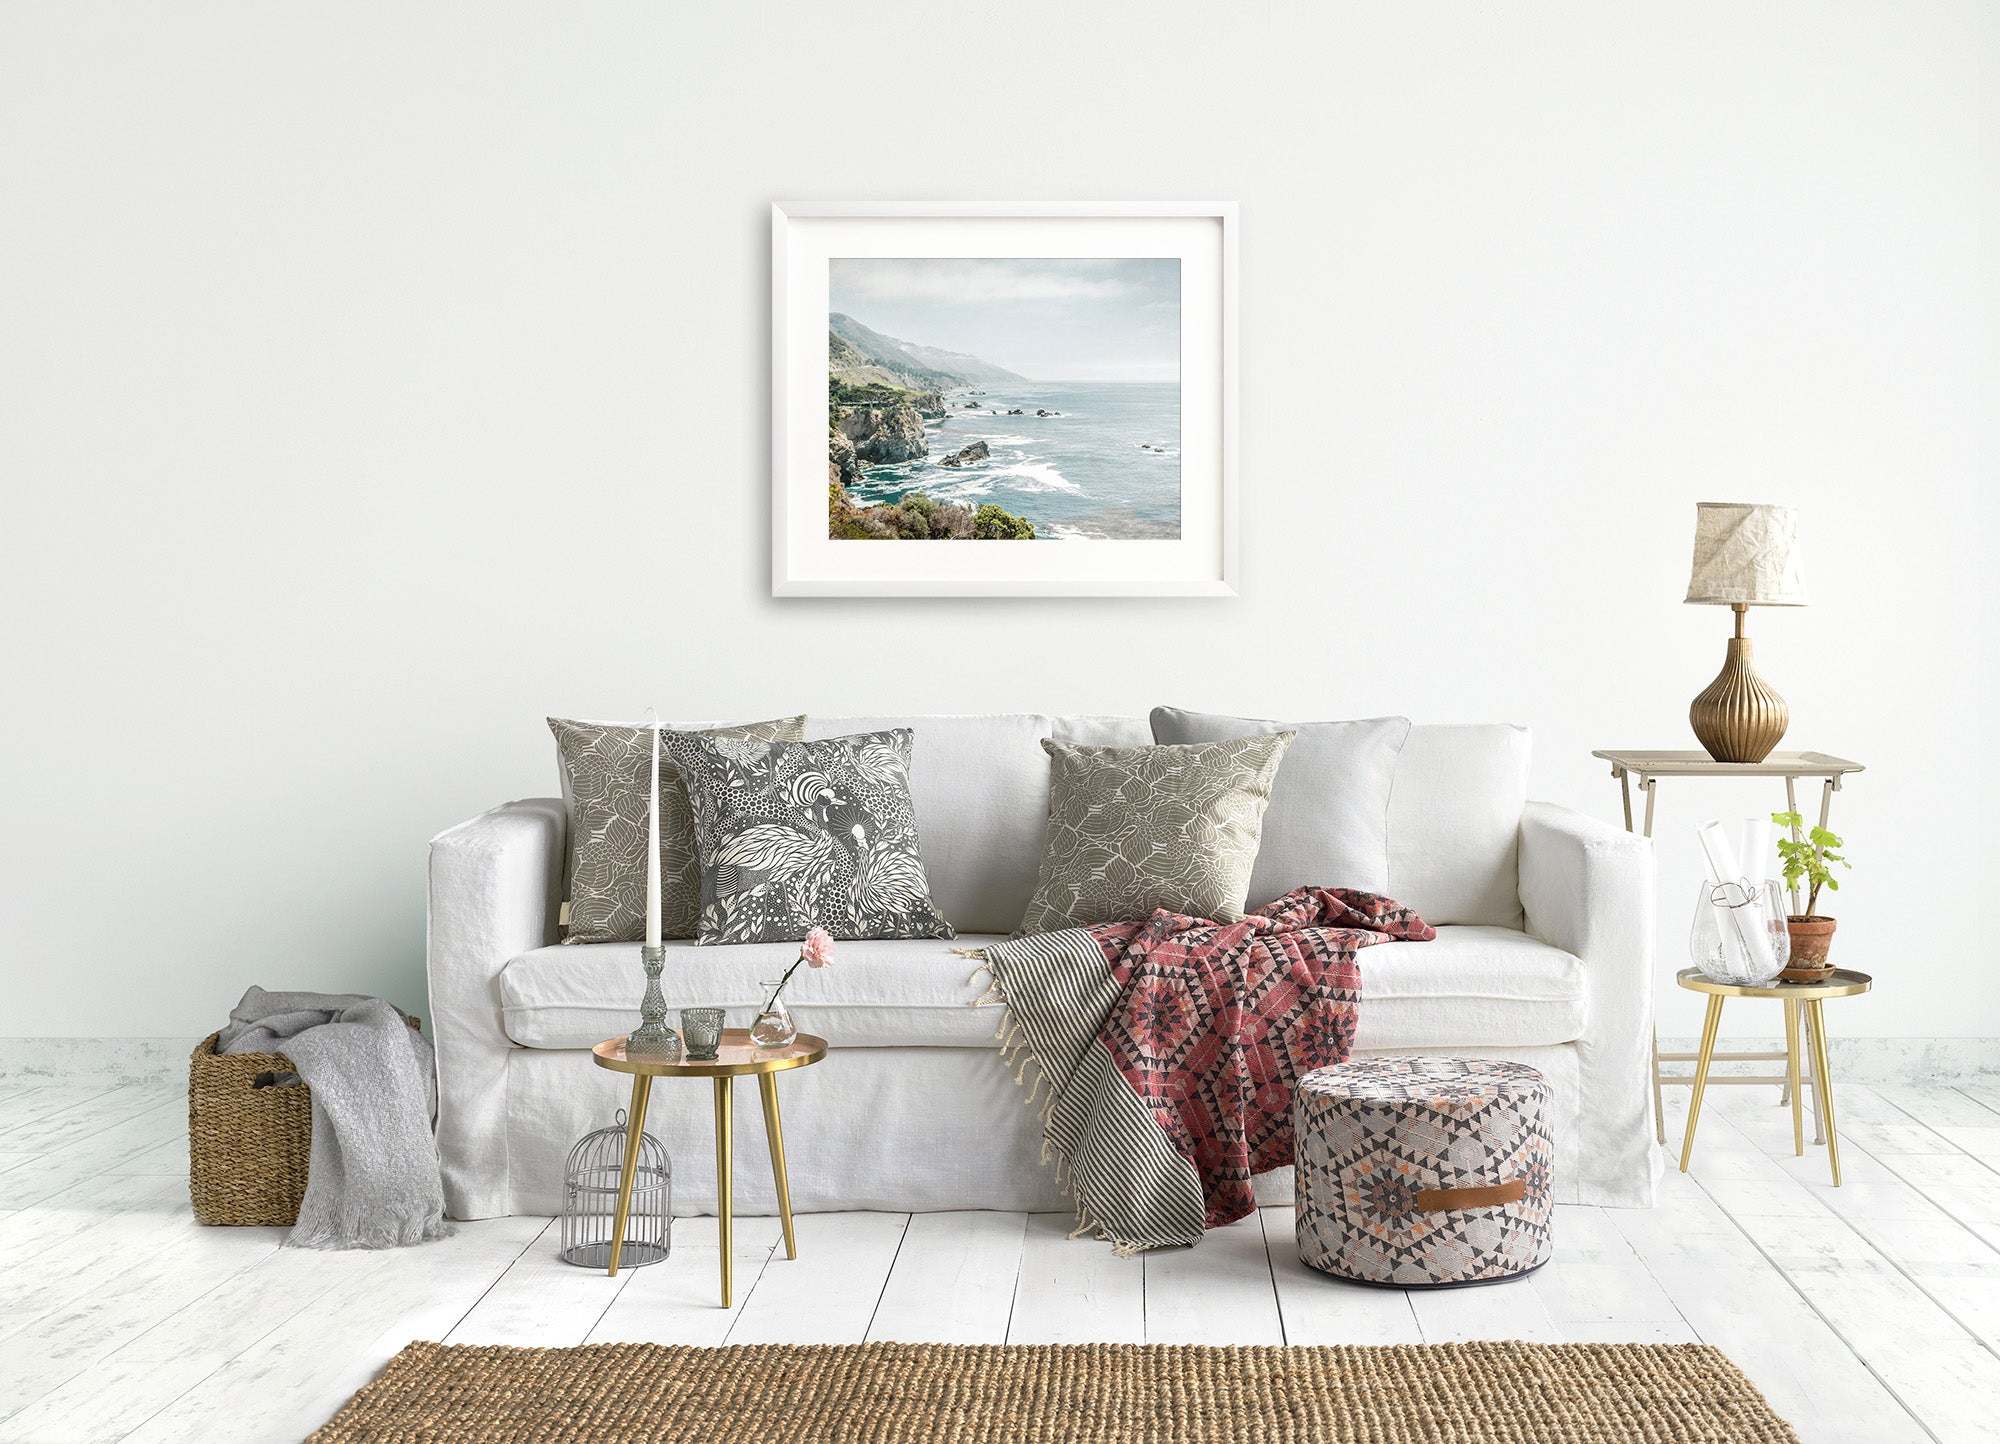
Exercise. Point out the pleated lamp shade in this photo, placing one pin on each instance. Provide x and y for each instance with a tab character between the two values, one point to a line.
1746	555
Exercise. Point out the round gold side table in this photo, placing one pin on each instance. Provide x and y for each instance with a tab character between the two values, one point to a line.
1799	999
736	1057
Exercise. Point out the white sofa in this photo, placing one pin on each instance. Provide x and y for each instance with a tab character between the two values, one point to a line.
1544	954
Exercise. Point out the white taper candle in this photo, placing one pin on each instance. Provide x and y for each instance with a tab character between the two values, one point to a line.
653	848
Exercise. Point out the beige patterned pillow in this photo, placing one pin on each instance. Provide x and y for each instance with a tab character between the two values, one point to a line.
1137	828
605	770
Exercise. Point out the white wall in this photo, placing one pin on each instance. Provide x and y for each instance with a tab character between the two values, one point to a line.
377	379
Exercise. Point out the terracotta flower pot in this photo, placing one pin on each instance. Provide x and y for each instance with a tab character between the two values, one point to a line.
1811	938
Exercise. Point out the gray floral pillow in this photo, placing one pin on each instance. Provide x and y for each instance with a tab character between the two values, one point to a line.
605	770
798	835
1132	829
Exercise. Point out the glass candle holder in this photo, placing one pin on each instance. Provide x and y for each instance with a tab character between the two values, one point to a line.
701	1032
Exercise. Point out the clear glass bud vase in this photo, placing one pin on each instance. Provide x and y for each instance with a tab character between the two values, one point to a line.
774	1026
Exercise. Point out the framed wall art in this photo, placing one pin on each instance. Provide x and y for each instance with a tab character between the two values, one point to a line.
1003	399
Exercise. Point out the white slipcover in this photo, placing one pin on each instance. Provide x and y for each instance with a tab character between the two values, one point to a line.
901	1129
913	1109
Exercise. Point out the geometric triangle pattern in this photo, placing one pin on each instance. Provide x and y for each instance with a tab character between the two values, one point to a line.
1214	1021
1169	1047
1374	1135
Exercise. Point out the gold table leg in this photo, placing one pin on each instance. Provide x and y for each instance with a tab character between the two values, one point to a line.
1710	1025
1792	1077
635	1129
723	1131
774	1134
1822	1084
1659	1103
1806	1042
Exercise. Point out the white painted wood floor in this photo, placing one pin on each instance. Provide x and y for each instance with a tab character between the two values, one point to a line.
1867	1313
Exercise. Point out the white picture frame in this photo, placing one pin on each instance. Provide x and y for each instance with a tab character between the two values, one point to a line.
1199	560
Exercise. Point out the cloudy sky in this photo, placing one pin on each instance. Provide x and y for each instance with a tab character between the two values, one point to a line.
1083	320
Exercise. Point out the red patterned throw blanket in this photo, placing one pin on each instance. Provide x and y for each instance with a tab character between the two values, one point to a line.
1168	1049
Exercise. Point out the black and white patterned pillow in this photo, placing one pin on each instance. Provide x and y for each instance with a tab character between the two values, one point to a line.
605	772
798	835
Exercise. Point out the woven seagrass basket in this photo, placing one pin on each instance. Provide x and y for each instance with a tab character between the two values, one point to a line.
248	1148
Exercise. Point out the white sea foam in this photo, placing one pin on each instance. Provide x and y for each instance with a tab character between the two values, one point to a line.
955	490
1034	476
1063	531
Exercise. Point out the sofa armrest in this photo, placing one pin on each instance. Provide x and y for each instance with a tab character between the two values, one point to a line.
495	887
1587	887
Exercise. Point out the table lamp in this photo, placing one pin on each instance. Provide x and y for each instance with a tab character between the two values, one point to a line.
1744	556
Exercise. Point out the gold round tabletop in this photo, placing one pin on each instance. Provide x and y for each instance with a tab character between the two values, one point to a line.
736	1057
1843	984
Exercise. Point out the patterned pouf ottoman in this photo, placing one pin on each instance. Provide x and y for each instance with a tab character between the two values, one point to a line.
1423	1172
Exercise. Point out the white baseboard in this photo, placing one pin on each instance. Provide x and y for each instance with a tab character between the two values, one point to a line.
1856	1060
1916	1061
109	1060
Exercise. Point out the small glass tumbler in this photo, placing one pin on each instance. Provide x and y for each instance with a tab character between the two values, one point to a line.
701	1032
774	1026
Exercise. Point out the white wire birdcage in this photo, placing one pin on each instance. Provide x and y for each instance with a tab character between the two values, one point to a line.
590	1201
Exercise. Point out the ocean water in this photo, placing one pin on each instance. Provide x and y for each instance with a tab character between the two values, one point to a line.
1084	474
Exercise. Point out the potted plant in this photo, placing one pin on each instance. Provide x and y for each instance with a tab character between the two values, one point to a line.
1809	857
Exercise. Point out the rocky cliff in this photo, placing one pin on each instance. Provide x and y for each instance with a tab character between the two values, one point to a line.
841	465
881	431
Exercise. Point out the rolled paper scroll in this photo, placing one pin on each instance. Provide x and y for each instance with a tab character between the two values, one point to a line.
1745	925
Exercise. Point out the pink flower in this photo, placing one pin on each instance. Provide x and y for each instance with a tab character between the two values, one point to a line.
818	949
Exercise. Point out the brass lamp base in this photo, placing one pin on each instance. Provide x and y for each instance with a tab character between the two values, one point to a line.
1737	717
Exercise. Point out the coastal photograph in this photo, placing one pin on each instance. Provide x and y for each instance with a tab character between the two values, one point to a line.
1004	399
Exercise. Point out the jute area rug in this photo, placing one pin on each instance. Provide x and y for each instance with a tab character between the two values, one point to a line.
1488	1393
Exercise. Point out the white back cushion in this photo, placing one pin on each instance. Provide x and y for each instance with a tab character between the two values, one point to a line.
1328	822
981	790
1455	823
1091	731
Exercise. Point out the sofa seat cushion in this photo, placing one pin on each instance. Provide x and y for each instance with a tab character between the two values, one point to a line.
877	993
1473	987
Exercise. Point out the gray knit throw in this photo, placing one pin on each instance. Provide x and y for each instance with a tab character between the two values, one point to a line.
374	1178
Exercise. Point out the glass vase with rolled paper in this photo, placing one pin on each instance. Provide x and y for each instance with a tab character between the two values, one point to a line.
1739	933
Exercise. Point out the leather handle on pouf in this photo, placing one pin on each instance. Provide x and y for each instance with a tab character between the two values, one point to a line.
1492	1195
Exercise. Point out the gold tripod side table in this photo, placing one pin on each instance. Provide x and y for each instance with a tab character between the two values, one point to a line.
736	1057
1804	1005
